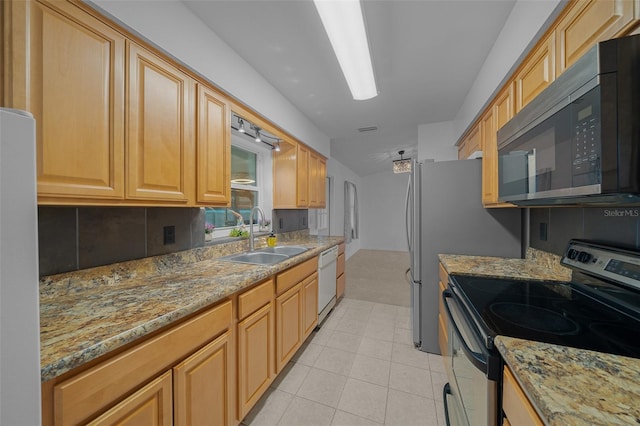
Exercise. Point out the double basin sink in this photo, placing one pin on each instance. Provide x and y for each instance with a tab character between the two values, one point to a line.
266	256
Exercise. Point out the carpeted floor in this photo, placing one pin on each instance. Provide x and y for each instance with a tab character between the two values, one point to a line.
378	276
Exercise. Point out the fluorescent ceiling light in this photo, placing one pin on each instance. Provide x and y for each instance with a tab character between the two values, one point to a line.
344	24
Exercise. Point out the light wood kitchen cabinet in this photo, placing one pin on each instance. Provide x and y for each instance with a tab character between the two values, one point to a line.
213	148
317	175
285	176
302	179
587	23
152	405
515	404
203	383
340	269
298	177
470	144
294	319
256	345
494	118
160	129
537	73
310	303
92	392
288	325
67	68
443	320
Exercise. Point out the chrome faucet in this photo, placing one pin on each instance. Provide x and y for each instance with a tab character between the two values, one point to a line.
256	208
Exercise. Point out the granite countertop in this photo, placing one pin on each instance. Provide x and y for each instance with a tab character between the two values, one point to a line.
537	266
569	386
86	314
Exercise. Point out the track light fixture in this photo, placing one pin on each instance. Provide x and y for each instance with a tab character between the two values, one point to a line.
248	129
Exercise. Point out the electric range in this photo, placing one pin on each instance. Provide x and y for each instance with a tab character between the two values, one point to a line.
591	312
599	310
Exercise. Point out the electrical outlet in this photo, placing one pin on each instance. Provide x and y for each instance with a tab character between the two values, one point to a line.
169	235
544	230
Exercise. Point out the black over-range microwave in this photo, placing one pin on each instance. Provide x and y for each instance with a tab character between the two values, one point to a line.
578	141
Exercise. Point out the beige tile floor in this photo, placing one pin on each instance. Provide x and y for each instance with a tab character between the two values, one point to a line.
360	368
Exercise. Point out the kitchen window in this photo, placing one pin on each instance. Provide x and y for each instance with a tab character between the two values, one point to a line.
251	186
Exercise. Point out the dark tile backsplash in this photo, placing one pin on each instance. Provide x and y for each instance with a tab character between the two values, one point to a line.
183	221
71	238
288	220
110	234
618	226
57	239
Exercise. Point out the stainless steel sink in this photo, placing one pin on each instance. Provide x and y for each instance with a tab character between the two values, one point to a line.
288	250
266	256
257	258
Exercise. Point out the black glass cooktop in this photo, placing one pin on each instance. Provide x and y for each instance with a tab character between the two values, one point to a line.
560	313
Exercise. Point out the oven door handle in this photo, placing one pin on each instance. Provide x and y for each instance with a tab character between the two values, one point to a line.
476	359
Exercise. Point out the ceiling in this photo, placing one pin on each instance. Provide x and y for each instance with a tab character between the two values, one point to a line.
426	55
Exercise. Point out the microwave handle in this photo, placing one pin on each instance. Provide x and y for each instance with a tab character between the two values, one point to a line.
531	171
474	357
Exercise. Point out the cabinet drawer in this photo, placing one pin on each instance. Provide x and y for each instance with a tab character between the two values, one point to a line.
340	265
151	405
90	392
252	300
515	403
293	276
341	247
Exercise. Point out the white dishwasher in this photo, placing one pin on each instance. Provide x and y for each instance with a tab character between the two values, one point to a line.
327	282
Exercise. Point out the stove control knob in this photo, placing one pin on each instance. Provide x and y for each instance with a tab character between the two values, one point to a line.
584	257
572	254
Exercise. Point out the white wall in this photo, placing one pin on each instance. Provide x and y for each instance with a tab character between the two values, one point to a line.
340	173
436	142
527	21
172	27
382	217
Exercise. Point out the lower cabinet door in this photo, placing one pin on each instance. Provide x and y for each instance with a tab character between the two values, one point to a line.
151	405
202	385
310	313
340	283
288	325
255	357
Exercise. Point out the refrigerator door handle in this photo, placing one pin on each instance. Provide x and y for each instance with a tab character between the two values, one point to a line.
407	217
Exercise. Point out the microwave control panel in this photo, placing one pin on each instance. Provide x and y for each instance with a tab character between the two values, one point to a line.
586	144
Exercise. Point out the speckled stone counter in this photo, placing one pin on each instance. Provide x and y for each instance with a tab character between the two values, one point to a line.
537	266
86	314
569	386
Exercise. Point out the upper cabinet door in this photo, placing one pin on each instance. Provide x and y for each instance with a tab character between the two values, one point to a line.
322	182
303	176
213	148
160	148
537	74
72	70
587	23
314	193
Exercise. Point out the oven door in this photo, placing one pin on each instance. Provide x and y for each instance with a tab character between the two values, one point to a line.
472	395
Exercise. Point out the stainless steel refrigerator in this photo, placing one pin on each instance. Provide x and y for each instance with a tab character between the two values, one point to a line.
19	295
444	214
